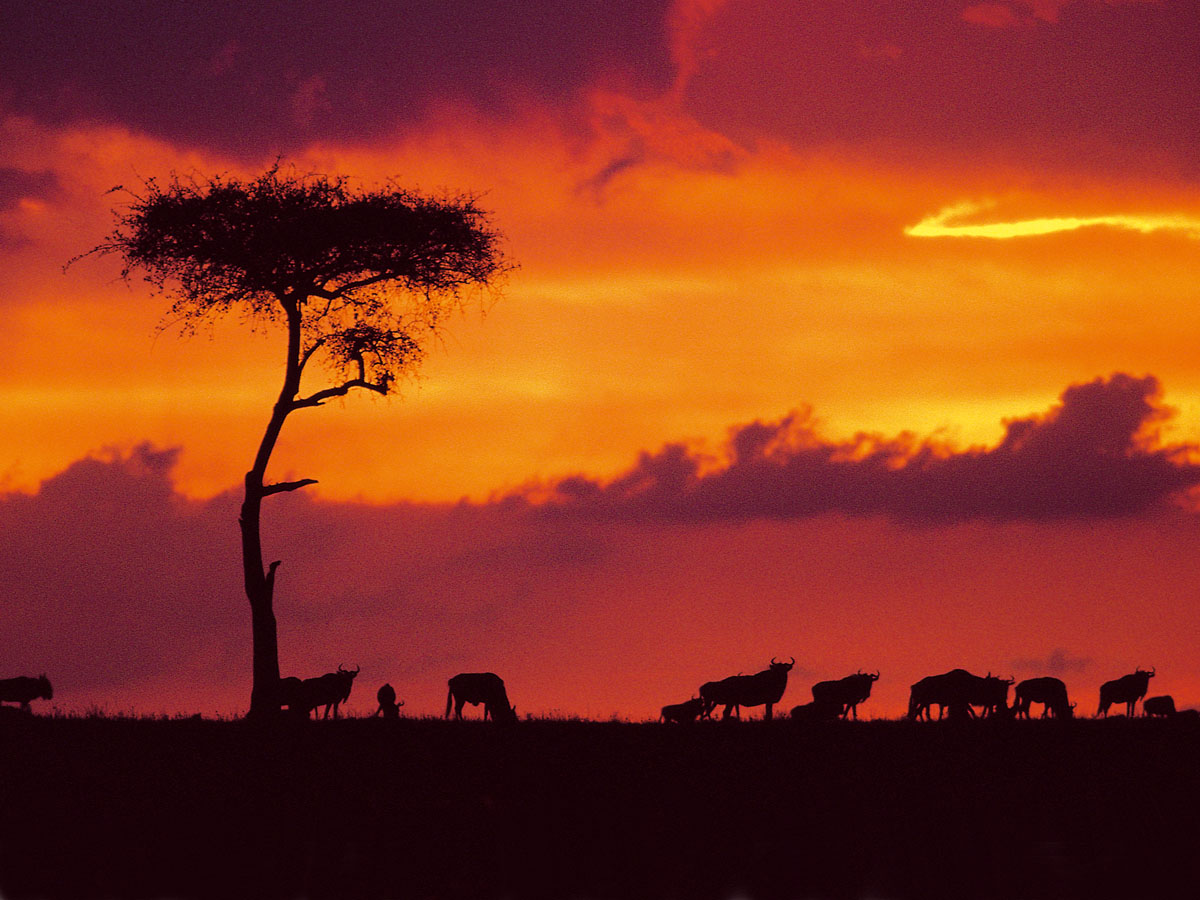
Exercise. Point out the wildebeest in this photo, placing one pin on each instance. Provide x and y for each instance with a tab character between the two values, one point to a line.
24	689
1127	689
992	696
688	711
958	690
1159	706
817	711
388	707
763	688
292	695
948	689
480	687
330	690
1050	692
846	693
716	693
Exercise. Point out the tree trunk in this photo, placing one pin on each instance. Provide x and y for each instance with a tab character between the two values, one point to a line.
260	591
260	583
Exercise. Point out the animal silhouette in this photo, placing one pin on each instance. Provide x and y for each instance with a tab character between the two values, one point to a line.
23	689
846	693
388	707
817	711
330	690
688	711
958	691
1050	692
480	687
1163	705
763	688
1127	689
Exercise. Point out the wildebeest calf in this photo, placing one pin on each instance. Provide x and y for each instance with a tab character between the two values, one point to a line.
388	707
817	711
688	711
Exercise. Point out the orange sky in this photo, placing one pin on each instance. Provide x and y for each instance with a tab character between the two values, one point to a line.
923	221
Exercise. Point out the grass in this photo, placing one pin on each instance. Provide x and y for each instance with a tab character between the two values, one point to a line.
125	807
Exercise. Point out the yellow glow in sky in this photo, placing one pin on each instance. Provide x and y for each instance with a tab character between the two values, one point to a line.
944	224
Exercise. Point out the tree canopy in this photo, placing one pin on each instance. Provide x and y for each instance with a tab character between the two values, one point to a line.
369	272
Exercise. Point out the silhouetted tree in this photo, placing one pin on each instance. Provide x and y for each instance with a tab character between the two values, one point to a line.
359	279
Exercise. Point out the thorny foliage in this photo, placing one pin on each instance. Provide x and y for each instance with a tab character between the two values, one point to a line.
368	275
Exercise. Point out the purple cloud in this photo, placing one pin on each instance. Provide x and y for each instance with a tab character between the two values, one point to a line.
259	76
1100	85
1094	455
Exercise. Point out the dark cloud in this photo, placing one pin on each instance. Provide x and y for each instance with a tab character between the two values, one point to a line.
16	185
259	76
1095	455
1058	663
111	578
103	562
1100	84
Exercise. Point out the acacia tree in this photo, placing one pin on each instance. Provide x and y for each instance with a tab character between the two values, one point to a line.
360	280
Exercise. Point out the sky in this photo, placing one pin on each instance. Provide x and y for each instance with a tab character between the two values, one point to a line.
860	333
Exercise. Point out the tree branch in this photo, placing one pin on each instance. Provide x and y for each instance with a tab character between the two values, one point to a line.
308	354
350	286
341	390
269	489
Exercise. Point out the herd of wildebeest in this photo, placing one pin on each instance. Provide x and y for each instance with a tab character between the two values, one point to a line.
957	694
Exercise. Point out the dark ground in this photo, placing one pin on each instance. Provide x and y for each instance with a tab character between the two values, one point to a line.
577	810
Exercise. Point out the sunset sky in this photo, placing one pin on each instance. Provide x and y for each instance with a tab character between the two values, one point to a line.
860	332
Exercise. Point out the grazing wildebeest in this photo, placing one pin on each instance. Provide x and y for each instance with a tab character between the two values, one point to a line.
688	711
817	711
950	689
846	692
1050	692
958	690
1127	689
1159	706
23	689
763	688
480	687
991	693
388	707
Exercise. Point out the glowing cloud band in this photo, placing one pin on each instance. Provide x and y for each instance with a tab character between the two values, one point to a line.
943	224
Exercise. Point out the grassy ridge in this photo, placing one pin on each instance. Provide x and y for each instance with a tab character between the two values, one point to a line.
424	808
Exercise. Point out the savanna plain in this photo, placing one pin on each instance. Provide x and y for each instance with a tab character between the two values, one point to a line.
423	808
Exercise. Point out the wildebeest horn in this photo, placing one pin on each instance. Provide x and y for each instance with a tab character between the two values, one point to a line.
774	661
875	676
